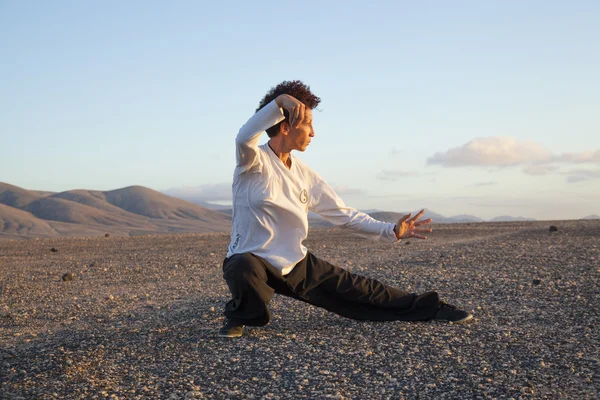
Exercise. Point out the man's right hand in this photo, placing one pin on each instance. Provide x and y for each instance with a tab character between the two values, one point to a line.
407	228
294	107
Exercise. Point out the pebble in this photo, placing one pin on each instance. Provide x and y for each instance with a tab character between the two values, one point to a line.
67	277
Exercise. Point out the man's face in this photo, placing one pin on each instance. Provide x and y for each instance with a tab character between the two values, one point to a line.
300	137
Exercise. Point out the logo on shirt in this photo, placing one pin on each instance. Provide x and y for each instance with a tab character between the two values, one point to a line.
304	196
237	241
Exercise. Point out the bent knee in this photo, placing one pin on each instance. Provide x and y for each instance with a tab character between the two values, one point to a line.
243	266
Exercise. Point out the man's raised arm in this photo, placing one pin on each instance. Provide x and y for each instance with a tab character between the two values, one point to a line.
246	141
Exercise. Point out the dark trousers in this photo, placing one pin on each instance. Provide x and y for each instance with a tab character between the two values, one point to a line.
317	282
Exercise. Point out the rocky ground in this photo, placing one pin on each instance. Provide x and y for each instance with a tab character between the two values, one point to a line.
139	318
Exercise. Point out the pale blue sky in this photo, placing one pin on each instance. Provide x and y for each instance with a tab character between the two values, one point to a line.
106	94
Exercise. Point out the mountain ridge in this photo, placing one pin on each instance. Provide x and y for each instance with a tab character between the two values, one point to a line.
131	210
137	210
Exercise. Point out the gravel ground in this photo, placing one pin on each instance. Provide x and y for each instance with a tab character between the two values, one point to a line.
139	320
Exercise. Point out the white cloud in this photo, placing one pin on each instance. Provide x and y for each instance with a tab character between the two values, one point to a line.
508	151
342	190
394	175
578	175
492	151
592	157
539	169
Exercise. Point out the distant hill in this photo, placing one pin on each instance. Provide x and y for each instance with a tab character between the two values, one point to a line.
15	222
137	210
56	209
317	221
93	198
143	201
43	192
462	218
436	218
133	210
193	196
593	216
15	196
508	218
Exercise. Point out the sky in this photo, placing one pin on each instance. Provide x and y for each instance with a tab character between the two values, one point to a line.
486	108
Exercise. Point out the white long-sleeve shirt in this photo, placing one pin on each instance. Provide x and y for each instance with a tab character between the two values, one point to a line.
271	202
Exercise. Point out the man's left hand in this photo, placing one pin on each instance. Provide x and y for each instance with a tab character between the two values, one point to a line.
408	227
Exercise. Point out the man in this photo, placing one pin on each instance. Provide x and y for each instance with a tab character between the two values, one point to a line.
272	194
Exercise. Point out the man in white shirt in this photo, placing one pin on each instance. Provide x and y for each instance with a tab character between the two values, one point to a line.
272	194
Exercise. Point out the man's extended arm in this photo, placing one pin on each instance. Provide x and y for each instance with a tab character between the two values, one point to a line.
325	202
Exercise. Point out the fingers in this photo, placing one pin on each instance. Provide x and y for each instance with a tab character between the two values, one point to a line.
293	116
295	108
403	219
297	112
414	234
425	221
300	110
416	217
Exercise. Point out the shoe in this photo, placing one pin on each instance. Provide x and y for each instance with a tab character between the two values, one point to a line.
448	312
231	329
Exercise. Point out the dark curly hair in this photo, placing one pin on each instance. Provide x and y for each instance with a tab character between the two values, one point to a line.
295	89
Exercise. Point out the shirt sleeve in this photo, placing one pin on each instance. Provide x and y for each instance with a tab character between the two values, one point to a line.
324	201
246	142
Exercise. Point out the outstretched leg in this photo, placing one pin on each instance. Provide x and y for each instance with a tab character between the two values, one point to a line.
353	296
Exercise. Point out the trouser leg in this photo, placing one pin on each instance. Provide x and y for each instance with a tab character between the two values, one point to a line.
353	296
247	278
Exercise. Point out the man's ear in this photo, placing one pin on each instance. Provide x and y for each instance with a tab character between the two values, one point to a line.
284	128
